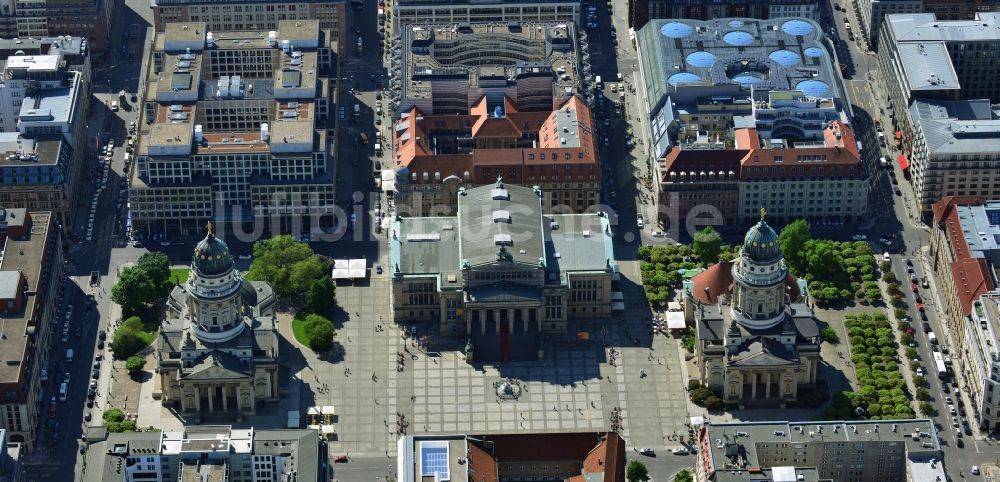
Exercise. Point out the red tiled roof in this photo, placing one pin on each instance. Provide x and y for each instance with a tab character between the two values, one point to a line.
747	138
944	206
718	278
680	160
598	456
972	280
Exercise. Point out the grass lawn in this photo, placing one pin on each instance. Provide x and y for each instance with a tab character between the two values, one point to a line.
299	329
179	275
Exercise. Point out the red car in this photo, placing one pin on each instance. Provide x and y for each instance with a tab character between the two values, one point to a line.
920	308
915	287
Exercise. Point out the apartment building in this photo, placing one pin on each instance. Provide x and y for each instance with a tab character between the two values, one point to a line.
34	19
872	13
234	128
524	456
30	273
642	11
966	255
43	108
255	16
405	12
858	451
206	452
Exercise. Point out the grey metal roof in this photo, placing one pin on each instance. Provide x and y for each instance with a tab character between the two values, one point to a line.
425	246
925	27
927	66
478	240
9	283
580	244
957	127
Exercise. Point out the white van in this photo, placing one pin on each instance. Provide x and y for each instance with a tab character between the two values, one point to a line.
69	355
62	392
114	106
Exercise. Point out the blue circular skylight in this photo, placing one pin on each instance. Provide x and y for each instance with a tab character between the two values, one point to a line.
735	23
682	78
813	88
814	52
676	30
701	60
797	27
785	58
738	38
747	79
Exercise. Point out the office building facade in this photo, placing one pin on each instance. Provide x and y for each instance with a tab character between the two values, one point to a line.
42	149
405	12
32	19
234	129
259	16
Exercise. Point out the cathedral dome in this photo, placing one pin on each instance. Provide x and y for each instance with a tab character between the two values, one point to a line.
211	256
761	244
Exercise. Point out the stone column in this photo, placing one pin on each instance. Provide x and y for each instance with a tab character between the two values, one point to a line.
468	323
524	318
482	321
197	398
225	398
211	399
753	385
497	319
238	389
510	320
183	405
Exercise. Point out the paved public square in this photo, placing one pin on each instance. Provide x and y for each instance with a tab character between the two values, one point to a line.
574	388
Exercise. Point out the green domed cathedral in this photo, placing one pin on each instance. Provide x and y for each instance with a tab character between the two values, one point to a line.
217	349
757	341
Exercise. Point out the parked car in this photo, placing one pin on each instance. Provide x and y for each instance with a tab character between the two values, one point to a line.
680	451
647	451
859	237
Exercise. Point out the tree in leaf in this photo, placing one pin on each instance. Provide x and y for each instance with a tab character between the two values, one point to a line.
684	476
135	363
793	240
303	273
127	340
157	266
321	295
636	471
320	332
707	245
134	289
273	260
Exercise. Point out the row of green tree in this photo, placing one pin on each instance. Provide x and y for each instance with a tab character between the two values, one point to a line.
660	265
882	393
835	271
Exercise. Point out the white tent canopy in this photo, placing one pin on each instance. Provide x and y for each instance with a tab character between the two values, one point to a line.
388	181
349	268
356	268
675	320
340	269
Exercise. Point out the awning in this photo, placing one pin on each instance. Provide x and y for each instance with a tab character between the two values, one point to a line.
904	163
388	180
617	306
675	320
357	268
617	296
340	271
348	268
697	421
899	135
